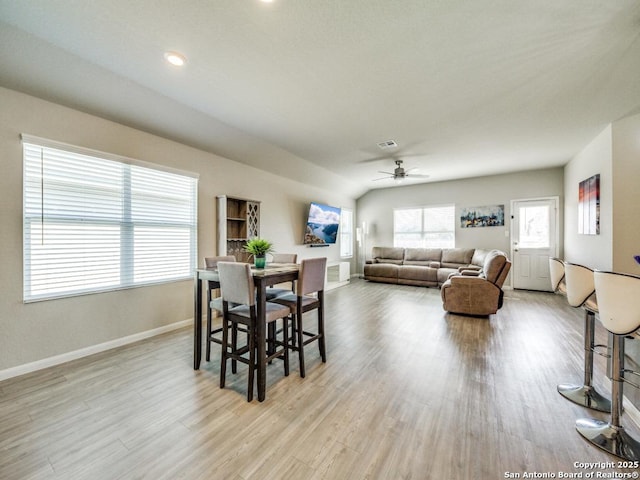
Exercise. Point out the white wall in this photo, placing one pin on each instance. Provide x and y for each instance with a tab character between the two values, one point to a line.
626	194
36	331
376	207
615	155
591	250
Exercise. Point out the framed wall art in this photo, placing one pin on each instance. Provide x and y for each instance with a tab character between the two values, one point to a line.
589	206
487	216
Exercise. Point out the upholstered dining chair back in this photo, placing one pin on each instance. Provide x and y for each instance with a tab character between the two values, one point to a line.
618	301
214	303
580	284
273	292
212	262
236	283
312	276
284	257
556	273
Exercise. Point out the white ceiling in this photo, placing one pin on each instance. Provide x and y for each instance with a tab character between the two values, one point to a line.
307	88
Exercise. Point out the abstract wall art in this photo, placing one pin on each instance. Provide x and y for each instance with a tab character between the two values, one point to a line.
487	216
589	206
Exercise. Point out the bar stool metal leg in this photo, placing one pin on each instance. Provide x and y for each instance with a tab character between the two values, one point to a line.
611	436
586	395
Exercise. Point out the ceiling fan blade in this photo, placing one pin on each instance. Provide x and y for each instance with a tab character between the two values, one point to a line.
416	175
393	157
386	173
382	178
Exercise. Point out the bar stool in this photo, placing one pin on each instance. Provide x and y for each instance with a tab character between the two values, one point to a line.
214	303
309	296
556	273
273	292
237	287
619	302
581	293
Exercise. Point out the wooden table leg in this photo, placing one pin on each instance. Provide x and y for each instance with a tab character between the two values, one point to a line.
197	322
261	341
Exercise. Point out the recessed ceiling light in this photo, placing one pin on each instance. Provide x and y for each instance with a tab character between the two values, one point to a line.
175	58
266	1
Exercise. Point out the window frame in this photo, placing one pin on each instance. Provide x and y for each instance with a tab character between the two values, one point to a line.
346	233
422	233
118	232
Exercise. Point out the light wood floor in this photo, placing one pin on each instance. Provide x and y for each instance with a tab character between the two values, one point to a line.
408	392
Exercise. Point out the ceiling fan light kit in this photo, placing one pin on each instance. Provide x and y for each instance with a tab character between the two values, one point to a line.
399	173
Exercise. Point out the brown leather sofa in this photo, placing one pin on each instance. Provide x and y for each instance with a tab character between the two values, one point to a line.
427	267
474	292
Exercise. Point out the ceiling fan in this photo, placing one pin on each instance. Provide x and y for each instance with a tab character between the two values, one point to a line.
399	173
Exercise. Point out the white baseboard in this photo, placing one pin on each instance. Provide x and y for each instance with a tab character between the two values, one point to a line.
85	352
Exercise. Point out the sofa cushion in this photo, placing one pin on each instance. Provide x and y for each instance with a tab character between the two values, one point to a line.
429	257
444	273
382	270
387	255
478	257
418	272
456	257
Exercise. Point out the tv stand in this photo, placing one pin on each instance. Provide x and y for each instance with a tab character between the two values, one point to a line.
338	274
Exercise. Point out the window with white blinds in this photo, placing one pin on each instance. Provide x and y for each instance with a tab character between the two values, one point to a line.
425	227
95	222
346	233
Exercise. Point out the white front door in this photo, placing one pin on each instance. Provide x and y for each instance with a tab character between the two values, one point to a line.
534	230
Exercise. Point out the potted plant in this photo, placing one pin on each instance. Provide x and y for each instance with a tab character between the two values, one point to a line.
259	247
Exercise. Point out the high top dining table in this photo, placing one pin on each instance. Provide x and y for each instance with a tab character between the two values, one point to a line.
272	274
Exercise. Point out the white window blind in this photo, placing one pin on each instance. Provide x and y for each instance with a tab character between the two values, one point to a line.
346	233
94	224
424	227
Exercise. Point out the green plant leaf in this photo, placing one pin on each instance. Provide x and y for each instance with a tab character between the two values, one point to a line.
258	246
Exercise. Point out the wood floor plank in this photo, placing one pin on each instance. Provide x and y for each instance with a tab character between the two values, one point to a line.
408	392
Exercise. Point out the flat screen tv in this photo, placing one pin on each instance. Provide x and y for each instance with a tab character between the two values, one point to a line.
322	225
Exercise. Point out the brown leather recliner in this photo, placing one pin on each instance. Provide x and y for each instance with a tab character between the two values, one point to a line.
477	292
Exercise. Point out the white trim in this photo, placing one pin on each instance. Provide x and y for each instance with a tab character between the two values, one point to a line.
556	200
107	290
85	352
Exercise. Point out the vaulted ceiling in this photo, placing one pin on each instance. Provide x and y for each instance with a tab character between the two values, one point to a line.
308	88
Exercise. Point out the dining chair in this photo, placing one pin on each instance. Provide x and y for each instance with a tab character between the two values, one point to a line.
619	305
284	257
309	296
581	293
214	303
237	287
273	292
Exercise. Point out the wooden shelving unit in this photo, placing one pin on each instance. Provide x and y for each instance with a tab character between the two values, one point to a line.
238	221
